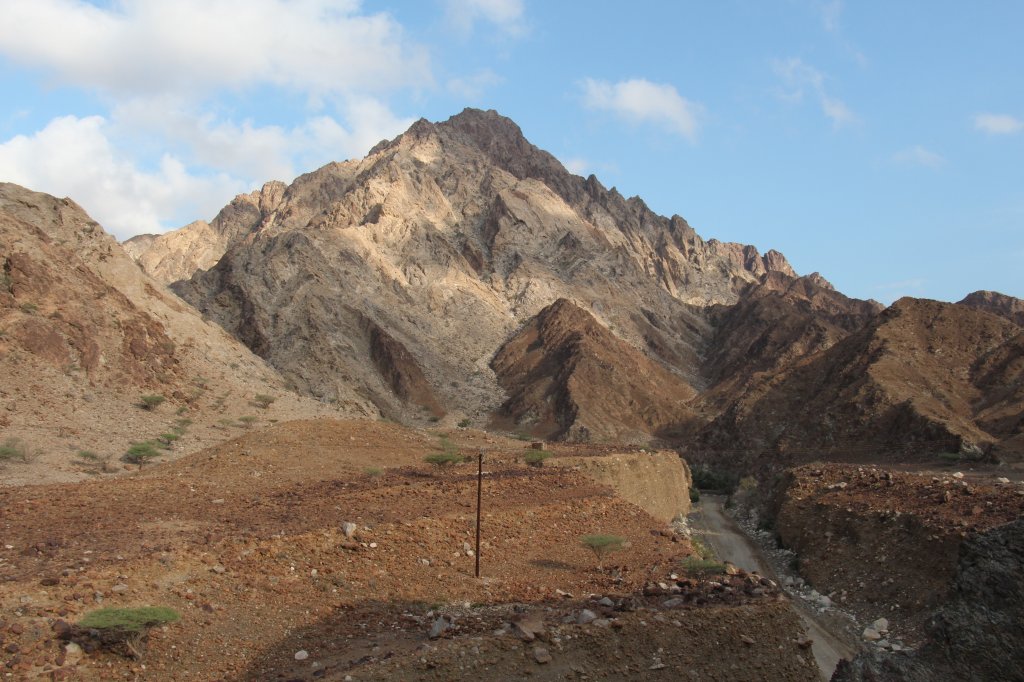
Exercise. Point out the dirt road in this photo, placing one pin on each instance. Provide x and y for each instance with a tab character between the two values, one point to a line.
730	543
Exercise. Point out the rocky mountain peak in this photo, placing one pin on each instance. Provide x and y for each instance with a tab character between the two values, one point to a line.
996	303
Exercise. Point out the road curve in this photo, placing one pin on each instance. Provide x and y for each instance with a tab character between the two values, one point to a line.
729	543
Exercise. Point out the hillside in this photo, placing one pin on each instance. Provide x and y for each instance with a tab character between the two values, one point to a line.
917	380
84	334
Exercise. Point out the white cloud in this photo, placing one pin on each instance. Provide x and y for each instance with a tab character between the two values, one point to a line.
798	77
998	124
641	101
260	153
919	156
472	87
73	157
153	46
507	15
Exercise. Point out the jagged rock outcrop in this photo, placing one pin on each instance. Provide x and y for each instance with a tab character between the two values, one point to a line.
449	238
909	382
569	378
977	634
178	254
996	303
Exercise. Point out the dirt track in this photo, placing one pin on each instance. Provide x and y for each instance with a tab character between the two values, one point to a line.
730	543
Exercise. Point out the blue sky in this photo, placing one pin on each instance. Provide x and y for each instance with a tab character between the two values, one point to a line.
879	143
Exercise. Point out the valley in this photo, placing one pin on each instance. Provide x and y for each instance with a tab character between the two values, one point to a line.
269	423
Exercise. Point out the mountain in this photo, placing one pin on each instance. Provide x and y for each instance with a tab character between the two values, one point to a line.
460	272
570	378
919	378
84	333
998	304
451	238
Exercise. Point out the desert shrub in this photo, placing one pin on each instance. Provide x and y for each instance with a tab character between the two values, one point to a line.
373	472
696	566
167	439
132	620
263	400
535	458
151	401
247	420
464	423
443	458
16	448
29	308
701	549
694	495
88	456
602	545
141	452
122	631
522	436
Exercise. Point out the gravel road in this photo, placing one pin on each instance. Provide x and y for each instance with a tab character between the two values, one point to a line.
730	543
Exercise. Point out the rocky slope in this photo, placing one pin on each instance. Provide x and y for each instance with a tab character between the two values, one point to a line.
199	245
450	238
912	383
410	281
569	378
998	304
84	334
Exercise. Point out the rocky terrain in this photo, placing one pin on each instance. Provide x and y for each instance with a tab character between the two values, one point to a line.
416	278
355	558
919	379
84	334
451	238
888	543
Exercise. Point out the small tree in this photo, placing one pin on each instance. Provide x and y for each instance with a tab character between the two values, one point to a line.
123	631
601	545
263	401
151	402
141	452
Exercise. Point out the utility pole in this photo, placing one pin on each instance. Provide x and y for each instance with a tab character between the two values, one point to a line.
479	499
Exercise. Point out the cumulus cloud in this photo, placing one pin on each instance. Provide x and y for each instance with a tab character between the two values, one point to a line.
919	156
74	157
998	124
641	101
258	153
139	46
798	77
506	15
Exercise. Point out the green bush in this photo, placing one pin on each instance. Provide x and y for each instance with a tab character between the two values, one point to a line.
151	401
535	458
443	458
694	495
129	620
464	423
602	545
141	452
710	479
263	401
88	455
373	472
247	420
16	448
697	566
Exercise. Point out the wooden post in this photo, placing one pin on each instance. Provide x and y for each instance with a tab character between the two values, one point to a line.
479	498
